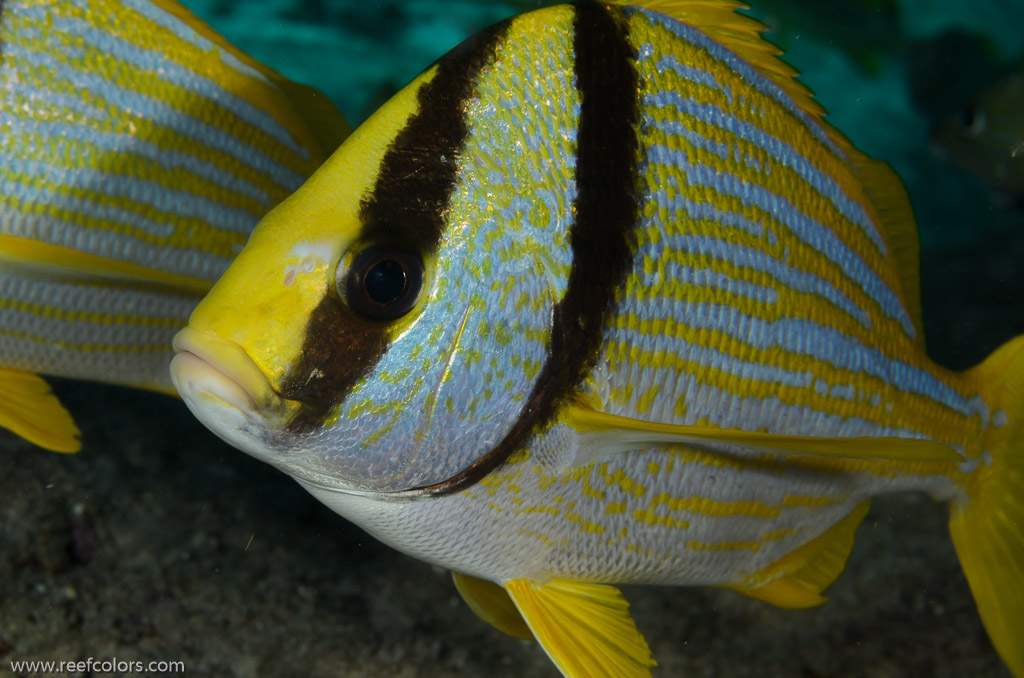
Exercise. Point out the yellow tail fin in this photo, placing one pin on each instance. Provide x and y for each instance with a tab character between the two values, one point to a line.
988	525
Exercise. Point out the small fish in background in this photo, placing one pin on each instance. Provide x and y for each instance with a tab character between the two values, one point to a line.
138	150
600	299
973	101
986	135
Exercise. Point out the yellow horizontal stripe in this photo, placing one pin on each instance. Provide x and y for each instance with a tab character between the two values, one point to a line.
712	507
92	317
787	248
47	257
88	347
116	121
73	153
754	106
909	410
804	501
113	16
740	545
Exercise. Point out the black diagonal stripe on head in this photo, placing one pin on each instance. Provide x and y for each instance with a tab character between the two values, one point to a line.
606	209
406	209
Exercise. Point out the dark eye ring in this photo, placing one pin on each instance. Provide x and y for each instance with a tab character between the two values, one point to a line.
382	283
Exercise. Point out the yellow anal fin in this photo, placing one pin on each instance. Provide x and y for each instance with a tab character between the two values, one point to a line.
797	579
63	260
491	603
585	629
623	434
29	409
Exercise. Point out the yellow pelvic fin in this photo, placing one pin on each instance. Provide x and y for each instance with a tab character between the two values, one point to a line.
59	260
29	409
585	628
797	579
622	434
988	523
492	604
742	35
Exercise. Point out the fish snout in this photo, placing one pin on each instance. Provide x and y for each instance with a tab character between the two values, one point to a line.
213	373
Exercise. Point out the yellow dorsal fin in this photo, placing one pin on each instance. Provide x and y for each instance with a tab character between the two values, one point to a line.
622	434
491	603
317	112
797	579
29	408
719	20
585	628
899	229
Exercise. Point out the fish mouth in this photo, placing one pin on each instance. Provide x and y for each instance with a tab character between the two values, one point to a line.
211	373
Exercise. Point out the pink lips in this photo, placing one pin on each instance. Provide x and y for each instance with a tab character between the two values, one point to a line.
193	376
207	366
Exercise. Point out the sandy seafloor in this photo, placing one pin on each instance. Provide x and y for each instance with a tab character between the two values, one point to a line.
158	542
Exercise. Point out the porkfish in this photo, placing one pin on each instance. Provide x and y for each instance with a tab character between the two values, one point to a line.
599	298
138	150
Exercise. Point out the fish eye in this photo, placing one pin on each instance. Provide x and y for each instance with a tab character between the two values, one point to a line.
972	121
381	283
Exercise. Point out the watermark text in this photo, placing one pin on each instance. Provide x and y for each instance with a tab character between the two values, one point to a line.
93	666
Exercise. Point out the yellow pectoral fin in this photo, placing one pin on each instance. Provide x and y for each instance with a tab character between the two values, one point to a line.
29	409
621	434
585	628
797	579
492	604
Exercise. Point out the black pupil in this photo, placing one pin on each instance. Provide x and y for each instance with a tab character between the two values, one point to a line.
381	283
385	282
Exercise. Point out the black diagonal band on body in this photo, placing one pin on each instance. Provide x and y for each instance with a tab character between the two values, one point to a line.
406	209
606	209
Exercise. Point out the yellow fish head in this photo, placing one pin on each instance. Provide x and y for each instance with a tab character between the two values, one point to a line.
385	326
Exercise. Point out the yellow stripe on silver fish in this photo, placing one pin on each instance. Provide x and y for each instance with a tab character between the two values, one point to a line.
89	329
599	299
138	151
762	289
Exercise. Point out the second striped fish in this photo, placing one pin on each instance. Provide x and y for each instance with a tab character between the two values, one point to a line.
138	149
